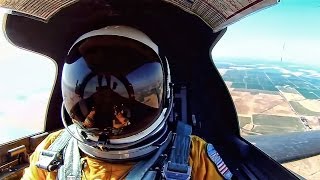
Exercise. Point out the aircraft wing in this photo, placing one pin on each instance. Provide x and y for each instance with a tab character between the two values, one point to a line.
288	147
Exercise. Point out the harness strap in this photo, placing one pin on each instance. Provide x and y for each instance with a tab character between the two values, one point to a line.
71	168
51	158
178	165
140	169
63	154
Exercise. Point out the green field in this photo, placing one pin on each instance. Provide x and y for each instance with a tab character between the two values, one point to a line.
251	79
256	91
243	121
267	79
288	90
254	86
238	85
302	110
270	124
317	92
269	88
308	93
314	81
272	130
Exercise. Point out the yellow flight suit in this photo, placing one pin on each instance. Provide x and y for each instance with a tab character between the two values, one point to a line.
202	166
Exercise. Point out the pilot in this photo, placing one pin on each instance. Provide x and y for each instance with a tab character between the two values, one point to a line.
117	98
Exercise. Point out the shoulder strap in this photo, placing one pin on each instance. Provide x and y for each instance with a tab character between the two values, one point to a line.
178	165
63	154
71	168
51	158
140	170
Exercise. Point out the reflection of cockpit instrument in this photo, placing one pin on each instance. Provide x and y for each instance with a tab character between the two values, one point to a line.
183	32
80	87
121	113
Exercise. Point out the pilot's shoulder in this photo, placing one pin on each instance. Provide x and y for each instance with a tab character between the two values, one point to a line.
198	147
197	142
206	159
48	140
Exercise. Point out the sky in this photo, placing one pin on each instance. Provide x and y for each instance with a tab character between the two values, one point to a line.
21	70
290	29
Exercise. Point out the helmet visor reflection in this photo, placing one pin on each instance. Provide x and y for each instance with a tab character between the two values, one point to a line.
114	91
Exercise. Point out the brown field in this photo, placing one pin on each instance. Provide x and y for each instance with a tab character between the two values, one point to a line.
248	103
151	100
308	168
251	102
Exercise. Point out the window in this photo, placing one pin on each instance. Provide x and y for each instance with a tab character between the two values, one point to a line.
26	80
270	64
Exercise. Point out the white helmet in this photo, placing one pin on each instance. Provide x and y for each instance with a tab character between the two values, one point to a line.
117	91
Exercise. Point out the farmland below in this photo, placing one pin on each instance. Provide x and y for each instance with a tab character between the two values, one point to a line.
271	97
